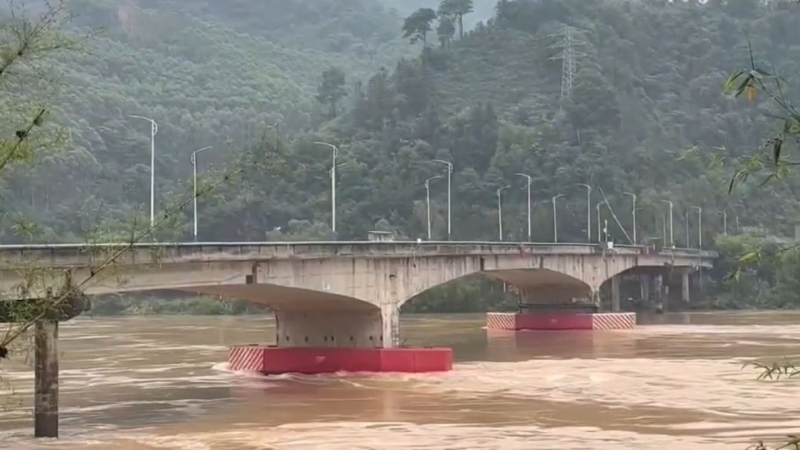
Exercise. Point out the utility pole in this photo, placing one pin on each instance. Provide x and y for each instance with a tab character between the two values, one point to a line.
588	211
530	180
500	211
449	174
555	218
633	213
428	200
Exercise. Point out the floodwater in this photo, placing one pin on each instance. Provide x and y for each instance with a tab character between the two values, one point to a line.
676	383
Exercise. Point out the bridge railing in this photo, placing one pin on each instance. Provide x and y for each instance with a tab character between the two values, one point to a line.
59	255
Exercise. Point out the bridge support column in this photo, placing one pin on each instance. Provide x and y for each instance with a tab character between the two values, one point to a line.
328	329
685	287
661	298
346	340
644	288
45	403
390	317
615	293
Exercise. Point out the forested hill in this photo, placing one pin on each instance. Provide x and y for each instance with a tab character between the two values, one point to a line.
647	90
646	115
209	75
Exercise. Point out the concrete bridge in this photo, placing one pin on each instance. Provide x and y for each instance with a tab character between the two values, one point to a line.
333	294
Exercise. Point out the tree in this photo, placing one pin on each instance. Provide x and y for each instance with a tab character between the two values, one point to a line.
456	9
446	30
331	89
418	25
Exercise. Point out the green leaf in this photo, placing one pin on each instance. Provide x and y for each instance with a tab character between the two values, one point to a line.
727	87
743	85
737	178
749	257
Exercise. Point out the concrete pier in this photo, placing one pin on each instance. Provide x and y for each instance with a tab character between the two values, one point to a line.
45	403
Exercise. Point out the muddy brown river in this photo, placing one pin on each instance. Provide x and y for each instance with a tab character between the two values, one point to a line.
676	382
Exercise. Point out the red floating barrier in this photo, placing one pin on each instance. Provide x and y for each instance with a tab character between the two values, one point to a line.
271	360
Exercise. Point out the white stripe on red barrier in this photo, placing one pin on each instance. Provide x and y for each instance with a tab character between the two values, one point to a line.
501	321
613	321
249	358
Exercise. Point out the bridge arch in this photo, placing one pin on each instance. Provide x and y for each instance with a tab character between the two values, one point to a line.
538	285
285	298
311	318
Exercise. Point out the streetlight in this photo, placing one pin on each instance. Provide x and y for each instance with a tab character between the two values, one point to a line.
688	244
555	218
597	207
335	152
530	180
671	237
449	173
428	200
153	131
194	185
588	211
699	226
500	211
725	223
633	212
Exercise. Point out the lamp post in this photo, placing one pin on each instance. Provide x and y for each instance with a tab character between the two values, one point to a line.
599	226
699	226
633	212
588	211
555	218
671	236
194	185
688	244
153	131
428	200
528	186
725	223
335	152
449	174
500	211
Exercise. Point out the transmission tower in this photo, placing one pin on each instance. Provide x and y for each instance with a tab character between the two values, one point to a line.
569	42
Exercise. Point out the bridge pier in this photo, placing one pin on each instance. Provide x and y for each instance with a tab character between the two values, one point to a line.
45	315
329	341
45	403
329	329
562	308
685	287
644	288
615	293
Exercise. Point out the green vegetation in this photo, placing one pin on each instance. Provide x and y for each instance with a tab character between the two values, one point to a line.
645	115
164	303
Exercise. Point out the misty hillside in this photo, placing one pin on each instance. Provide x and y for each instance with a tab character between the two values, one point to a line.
645	115
643	95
